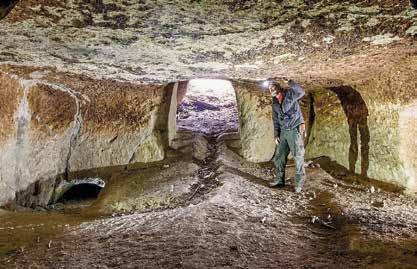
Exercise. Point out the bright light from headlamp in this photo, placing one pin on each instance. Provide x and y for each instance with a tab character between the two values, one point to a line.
265	84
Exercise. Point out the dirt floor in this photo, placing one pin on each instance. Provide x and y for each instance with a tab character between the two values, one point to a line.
225	216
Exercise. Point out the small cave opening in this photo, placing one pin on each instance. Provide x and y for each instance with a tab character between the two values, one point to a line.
81	192
414	3
207	106
6	6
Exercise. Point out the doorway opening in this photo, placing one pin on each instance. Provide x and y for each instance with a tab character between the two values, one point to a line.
208	107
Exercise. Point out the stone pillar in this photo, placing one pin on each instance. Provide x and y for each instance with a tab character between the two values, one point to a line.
172	116
255	117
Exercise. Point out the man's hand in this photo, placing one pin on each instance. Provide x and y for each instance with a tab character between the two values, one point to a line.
302	129
277	140
272	90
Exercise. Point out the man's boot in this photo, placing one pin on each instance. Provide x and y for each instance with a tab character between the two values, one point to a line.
278	183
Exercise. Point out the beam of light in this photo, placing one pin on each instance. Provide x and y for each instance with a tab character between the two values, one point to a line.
266	84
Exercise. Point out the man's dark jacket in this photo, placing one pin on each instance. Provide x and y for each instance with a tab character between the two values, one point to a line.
288	115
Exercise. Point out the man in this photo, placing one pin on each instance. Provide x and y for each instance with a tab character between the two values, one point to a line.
289	129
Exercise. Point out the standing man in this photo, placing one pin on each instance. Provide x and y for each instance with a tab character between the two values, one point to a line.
289	129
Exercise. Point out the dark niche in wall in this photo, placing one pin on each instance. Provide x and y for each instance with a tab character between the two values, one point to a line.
357	114
6	6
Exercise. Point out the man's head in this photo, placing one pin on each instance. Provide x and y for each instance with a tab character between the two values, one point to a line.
274	87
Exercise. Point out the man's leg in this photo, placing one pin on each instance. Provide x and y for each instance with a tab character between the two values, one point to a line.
280	161
296	144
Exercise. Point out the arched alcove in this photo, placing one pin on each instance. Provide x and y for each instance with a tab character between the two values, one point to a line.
81	192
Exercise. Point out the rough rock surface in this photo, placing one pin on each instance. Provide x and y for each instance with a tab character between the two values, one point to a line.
382	98
255	116
54	124
6	6
174	40
228	217
149	189
88	90
87	84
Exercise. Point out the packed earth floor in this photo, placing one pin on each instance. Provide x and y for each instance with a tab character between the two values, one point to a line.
221	214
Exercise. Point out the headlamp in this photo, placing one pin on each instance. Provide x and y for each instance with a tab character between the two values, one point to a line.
266	84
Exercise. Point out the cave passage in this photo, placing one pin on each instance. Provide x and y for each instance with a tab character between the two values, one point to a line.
81	192
208	106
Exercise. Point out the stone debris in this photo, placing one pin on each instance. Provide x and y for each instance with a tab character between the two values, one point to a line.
371	189
328	40
384	39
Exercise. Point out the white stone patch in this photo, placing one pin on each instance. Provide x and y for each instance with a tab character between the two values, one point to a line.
305	23
346	26
36	8
372	22
283	57
38	74
364	10
408	14
381	39
412	30
328	39
246	66
90	180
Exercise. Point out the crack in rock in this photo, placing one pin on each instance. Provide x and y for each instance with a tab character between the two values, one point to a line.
77	123
23	117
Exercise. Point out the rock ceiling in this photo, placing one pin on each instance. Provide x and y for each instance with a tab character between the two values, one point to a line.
160	41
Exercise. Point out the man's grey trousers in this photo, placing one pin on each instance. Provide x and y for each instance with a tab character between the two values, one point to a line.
290	141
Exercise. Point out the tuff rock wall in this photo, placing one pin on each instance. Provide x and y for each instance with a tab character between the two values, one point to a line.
383	105
70	98
255	117
364	120
53	124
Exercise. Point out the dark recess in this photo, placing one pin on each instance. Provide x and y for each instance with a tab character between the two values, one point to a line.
81	192
311	117
6	6
414	3
357	114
